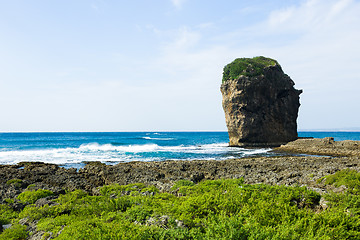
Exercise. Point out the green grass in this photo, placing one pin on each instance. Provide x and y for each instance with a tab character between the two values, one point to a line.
217	209
247	67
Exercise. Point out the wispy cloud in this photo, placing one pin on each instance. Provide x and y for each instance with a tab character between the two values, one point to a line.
315	42
311	15
178	3
162	71
94	6
185	38
98	5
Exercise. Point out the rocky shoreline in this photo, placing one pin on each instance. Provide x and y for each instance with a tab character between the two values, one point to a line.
275	170
325	146
288	170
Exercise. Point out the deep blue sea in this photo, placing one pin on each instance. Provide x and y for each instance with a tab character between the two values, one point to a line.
73	149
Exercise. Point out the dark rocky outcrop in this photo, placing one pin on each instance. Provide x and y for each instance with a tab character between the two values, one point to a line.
287	170
322	146
260	103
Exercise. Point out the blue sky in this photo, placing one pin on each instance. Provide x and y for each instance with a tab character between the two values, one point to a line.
157	65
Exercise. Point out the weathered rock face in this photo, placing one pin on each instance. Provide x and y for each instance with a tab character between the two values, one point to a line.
260	103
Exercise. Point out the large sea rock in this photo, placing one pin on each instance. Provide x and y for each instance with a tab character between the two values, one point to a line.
260	103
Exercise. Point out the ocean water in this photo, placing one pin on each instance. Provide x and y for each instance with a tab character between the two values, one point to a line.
338	136
73	149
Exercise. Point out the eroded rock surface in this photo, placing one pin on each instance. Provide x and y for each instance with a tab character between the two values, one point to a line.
287	170
322	146
260	103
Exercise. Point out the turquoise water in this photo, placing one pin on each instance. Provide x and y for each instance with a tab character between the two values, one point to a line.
338	136
73	149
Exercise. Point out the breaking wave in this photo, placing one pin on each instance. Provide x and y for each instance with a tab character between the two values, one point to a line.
110	153
162	139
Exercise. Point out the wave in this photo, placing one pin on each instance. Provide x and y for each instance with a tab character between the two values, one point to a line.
125	153
152	138
126	148
257	151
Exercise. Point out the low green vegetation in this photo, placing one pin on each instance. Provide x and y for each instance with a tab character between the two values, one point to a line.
14	181
348	200
6	214
349	178
216	209
30	196
16	231
247	67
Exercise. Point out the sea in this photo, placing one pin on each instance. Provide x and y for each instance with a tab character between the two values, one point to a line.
74	149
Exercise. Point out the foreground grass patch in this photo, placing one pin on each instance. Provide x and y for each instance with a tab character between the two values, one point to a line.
217	209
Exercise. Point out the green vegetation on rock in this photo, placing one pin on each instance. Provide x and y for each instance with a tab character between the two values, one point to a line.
348	198
16	231
346	177
247	67
212	209
30	196
6	214
14	181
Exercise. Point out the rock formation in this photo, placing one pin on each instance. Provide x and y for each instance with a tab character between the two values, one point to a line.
325	146
260	103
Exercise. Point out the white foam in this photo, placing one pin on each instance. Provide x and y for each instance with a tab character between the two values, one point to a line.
256	151
126	148
109	152
164	139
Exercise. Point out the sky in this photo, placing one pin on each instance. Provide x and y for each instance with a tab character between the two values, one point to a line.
97	65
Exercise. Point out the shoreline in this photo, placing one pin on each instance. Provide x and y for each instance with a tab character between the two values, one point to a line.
273	170
277	170
285	170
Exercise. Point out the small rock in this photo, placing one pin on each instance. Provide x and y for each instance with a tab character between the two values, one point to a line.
180	223
44	201
197	177
324	204
38	236
151	221
340	189
6	226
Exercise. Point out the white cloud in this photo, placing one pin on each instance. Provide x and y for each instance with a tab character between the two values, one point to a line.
178	3
312	15
280	17
322	57
184	39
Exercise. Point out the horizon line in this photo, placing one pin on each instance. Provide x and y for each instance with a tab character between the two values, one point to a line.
154	131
